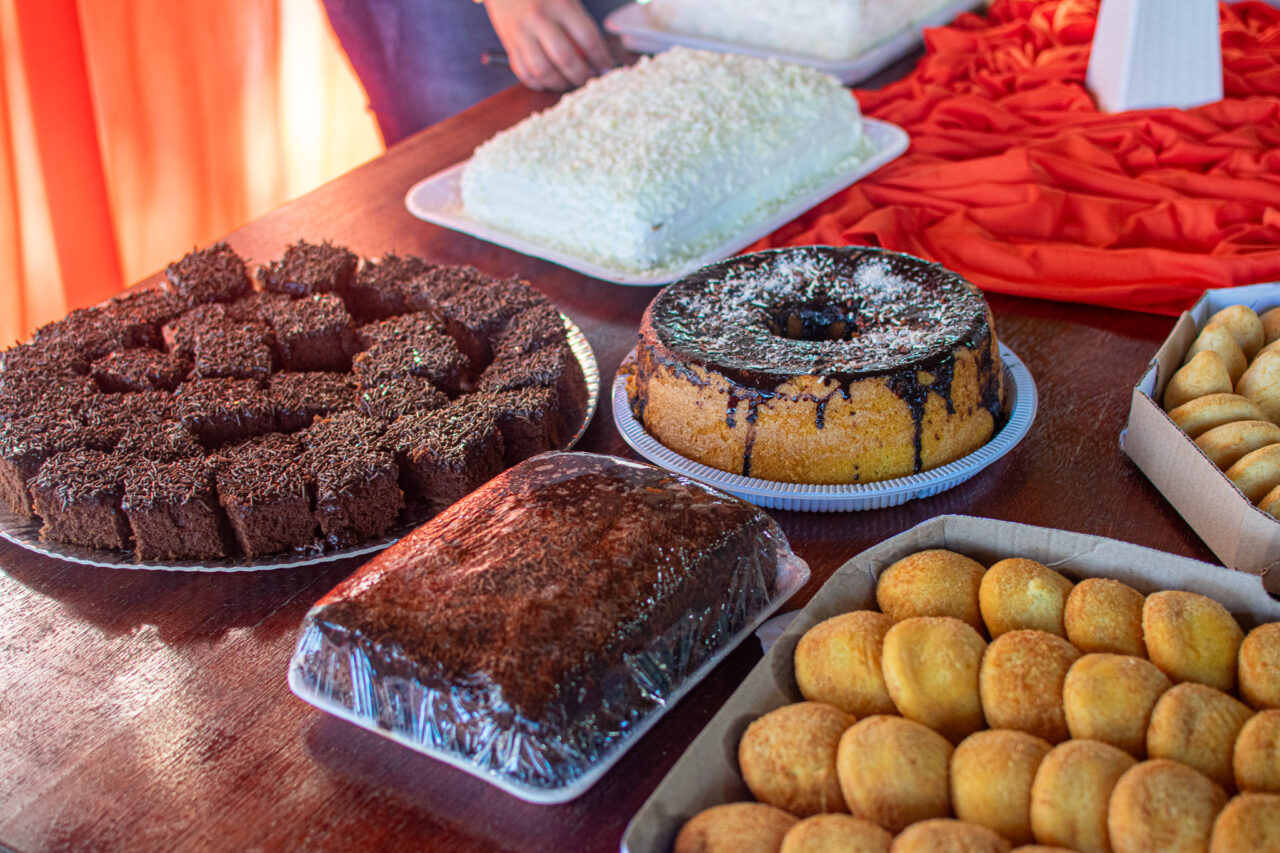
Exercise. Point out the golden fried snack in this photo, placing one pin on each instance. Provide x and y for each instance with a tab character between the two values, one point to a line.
1205	373
1191	637
1217	338
1197	725
932	583
1110	698
894	771
788	758
1103	615
1248	824
1270	502
1245	326
1255	760
991	776
1257	473
1021	683
837	661
1270	324
1018	593
1261	384
1071	792
1225	445
931	668
1162	806
735	828
944	835
836	833
1204	413
1259	666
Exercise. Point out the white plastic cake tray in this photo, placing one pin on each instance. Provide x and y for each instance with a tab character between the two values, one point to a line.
641	35
1022	402
438	199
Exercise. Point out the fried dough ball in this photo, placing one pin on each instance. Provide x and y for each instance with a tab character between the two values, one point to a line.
991	776
1021	683
932	583
944	835
931	668
1257	472
1110	698
1071	793
788	758
1217	338
1205	373
894	771
1191	637
837	661
1227	444
1204	413
735	828
1261	384
1162	806
1259	666
1103	615
836	833
1245	326
1270	502
1197	725
1255	759
1270	325
1018	593
1248	824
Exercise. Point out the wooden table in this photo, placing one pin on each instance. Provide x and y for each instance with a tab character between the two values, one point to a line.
149	711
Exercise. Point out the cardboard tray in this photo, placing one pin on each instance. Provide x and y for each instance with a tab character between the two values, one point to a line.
707	773
1241	535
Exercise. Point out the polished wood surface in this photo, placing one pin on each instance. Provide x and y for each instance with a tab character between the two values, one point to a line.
149	710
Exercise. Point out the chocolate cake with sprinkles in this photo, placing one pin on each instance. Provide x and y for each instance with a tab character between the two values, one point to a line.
209	419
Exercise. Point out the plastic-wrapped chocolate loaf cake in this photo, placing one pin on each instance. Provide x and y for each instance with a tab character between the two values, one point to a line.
214	417
531	630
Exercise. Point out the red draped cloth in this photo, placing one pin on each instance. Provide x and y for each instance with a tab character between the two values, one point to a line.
1017	181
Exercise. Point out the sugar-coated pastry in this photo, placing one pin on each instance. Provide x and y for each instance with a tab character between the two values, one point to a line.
1227	444
1110	697
1021	683
837	661
1218	339
1261	384
944	835
836	833
931	668
788	757
1104	615
1255	760
1259	666
1257	472
936	582
893	772
1205	373
1197	725
1162	806
1248	824
1191	637
1071	793
1204	413
735	828
1270	325
1018	593
1270	502
991	776
1245	326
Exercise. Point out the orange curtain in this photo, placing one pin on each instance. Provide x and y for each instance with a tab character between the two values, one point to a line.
134	130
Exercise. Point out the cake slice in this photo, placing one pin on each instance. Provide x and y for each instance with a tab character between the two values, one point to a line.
78	493
646	167
213	274
308	268
266	495
173	510
445	453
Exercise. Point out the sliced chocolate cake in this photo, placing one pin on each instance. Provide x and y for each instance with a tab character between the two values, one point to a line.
395	398
78	494
309	268
233	351
315	333
215	274
266	493
223	410
447	452
141	369
434	356
299	398
179	334
381	288
26	444
173	510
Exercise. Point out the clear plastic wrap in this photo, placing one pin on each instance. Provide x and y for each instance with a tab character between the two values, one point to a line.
533	631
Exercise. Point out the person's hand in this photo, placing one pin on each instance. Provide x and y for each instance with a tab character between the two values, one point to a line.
552	44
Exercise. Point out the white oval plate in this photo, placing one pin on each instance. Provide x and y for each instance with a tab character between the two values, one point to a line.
1022	403
438	199
25	532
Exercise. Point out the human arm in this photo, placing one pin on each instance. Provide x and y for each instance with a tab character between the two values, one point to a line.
552	44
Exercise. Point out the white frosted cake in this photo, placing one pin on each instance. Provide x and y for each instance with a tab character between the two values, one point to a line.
649	166
833	30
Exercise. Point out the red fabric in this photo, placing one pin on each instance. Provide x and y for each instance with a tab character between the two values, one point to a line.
1015	179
